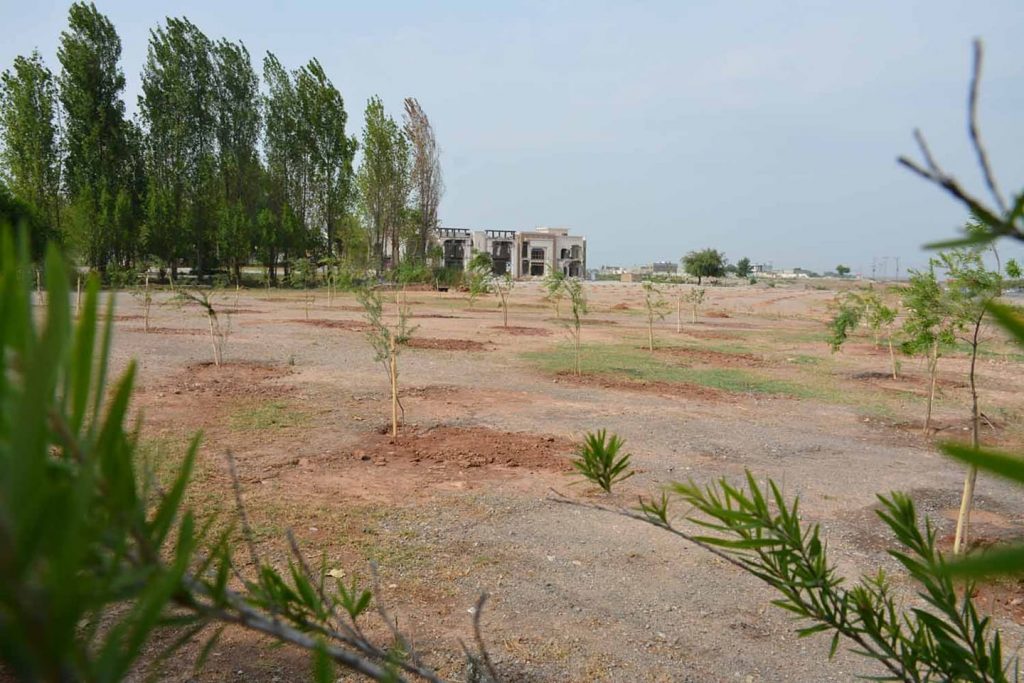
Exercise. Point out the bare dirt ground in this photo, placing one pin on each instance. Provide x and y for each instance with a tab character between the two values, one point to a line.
460	503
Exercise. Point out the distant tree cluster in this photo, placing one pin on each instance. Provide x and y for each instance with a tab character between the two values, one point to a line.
220	169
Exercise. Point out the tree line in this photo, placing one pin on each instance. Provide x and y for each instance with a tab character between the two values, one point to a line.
222	166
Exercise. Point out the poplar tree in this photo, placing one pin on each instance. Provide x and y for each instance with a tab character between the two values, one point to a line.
327	155
238	125
384	181
177	106
98	157
425	176
31	152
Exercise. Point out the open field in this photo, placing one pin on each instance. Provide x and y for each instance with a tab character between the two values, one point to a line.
460	503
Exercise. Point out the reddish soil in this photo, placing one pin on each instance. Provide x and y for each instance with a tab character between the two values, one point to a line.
716	358
349	325
621	307
470	447
446	344
714	313
186	331
230	379
659	388
518	331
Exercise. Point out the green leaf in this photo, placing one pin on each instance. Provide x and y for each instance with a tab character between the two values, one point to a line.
992	562
1003	464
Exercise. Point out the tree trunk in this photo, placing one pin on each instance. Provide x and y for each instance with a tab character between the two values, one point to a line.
393	367
504	310
679	316
213	339
963	520
933	371
892	358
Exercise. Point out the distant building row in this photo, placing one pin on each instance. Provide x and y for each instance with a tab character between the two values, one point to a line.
520	253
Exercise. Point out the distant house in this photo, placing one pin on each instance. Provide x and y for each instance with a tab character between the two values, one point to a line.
665	267
520	253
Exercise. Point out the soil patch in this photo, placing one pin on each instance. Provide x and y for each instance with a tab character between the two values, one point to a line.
239	311
517	331
717	314
708	334
470	447
121	318
167	330
230	379
621	307
348	325
446	344
716	358
681	389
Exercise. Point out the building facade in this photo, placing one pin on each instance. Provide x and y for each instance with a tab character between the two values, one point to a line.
519	253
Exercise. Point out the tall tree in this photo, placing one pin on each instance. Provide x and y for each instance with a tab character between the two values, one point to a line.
91	83
237	110
384	181
427	182
327	154
278	222
177	108
704	263
31	144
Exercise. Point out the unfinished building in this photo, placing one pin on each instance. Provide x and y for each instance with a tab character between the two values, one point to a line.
519	253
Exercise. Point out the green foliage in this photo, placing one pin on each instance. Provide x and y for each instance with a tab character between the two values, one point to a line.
16	213
842	271
845	320
656	306
502	286
383	181
927	322
759	532
79	536
704	263
554	289
31	151
477	277
573	288
599	461
303	274
743	267
1013	269
100	143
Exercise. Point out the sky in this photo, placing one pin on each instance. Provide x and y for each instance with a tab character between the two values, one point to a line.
767	129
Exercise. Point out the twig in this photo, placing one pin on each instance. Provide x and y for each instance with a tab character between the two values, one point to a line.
479	638
972	124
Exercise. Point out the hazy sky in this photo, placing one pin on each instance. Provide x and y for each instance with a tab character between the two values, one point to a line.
766	129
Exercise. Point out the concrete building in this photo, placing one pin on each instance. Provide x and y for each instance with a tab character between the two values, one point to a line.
526	253
665	267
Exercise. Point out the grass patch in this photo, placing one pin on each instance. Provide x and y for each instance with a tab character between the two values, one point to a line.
642	366
269	415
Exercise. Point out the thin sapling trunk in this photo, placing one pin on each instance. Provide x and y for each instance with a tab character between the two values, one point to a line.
963	521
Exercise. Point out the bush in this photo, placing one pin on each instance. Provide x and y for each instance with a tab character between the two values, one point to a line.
599	461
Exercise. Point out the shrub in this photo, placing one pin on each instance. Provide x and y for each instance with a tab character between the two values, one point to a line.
599	461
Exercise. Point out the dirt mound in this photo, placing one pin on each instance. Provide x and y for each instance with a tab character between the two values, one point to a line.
517	331
446	344
716	358
470	447
681	389
717	314
707	334
349	325
230	379
167	330
238	311
621	307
